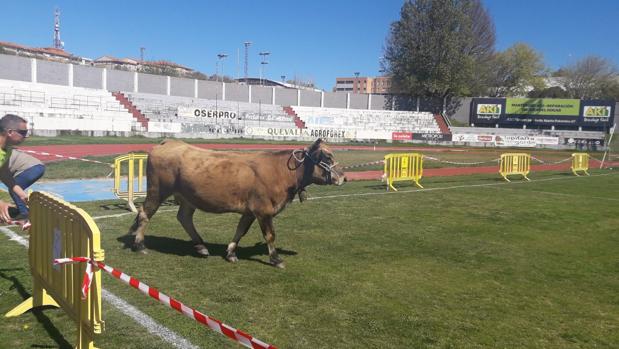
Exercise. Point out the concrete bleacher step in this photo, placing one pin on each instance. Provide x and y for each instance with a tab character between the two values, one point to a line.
297	120
442	125
137	114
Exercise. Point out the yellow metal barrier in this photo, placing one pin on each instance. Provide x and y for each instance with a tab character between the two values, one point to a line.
580	162
130	193
61	230
402	167
515	164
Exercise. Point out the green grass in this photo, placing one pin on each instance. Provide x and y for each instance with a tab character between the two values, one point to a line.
473	262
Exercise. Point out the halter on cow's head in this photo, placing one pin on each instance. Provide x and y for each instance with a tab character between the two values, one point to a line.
320	162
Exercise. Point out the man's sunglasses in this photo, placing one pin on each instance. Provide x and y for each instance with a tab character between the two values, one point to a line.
24	133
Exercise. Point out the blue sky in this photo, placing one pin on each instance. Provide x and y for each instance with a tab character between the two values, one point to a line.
313	40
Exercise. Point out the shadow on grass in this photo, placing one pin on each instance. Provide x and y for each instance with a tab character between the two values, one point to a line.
179	247
124	207
52	331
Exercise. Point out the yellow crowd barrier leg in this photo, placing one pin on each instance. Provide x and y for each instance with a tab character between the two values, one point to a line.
39	298
84	339
390	185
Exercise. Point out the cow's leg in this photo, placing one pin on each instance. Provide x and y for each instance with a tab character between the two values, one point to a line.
241	229
266	224
148	209
185	217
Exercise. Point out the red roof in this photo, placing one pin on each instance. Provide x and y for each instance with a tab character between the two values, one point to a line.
45	50
53	51
10	44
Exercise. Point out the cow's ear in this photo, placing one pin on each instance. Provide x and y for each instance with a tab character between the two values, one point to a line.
315	145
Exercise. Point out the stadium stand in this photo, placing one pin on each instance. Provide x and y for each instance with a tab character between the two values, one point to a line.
368	120
215	117
52	108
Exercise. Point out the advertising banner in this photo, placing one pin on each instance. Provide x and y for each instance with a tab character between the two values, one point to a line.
514	141
327	134
167	127
547	112
201	112
472	138
583	141
370	134
506	141
432	137
541	140
402	136
542	106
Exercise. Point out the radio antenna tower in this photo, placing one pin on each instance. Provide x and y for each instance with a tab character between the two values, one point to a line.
57	43
247	44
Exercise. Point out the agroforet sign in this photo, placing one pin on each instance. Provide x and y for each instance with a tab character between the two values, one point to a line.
332	134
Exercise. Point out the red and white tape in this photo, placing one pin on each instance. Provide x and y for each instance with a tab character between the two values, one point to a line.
214	324
63	156
25	225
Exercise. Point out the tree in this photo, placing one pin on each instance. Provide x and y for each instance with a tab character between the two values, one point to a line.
439	48
516	70
550	92
590	78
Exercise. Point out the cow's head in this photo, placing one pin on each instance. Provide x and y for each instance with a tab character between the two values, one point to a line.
325	169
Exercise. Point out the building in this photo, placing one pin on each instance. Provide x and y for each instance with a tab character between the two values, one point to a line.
45	53
363	84
152	67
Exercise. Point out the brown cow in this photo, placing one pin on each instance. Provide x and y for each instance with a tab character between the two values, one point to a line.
256	185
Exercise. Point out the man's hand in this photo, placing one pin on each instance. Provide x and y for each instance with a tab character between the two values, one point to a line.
20	193
4	211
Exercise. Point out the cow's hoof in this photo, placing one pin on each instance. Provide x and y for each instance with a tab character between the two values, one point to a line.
278	263
138	247
232	258
202	250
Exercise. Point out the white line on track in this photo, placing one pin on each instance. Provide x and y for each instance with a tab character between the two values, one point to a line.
139	317
569	195
417	191
456	187
129	213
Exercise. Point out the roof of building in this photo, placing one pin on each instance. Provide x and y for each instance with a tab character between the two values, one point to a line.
111	59
43	50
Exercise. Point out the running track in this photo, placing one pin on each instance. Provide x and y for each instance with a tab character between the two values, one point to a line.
83	150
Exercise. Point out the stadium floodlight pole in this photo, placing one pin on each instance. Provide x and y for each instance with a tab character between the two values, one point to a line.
247	44
607	151
263	61
220	57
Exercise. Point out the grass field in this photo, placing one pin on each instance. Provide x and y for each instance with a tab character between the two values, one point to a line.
470	262
447	157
